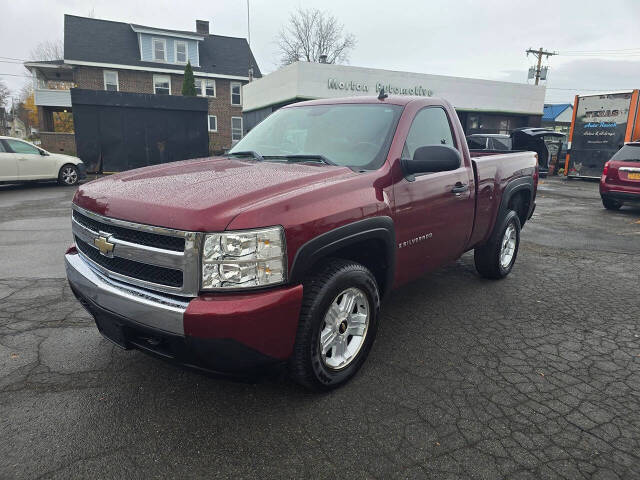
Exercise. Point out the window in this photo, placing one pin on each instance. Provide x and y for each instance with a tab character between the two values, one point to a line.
429	127
236	129
181	52
205	87
2	150
213	123
628	153
22	147
159	50
210	88
501	143
162	84
477	142
111	80
236	94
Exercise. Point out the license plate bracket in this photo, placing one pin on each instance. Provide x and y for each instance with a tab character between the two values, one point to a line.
113	331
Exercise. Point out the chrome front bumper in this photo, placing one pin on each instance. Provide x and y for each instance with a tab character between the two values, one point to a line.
135	304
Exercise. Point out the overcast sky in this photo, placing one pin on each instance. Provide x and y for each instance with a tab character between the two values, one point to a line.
481	39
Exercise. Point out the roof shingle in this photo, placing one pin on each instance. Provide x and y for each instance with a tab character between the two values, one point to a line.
105	41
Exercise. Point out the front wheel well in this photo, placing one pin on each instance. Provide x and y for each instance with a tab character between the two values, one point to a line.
371	253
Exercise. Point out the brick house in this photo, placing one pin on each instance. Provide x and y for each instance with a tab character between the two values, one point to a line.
108	55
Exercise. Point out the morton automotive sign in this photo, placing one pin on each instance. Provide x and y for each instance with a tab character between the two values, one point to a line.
355	86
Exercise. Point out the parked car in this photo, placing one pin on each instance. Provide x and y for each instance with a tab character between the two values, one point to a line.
489	141
620	180
281	250
21	161
546	143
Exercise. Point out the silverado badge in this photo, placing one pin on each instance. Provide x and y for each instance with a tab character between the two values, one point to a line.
105	247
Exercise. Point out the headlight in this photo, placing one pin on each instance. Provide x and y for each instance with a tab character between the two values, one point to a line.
252	258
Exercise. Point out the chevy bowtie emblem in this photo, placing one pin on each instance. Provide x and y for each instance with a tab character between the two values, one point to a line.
103	245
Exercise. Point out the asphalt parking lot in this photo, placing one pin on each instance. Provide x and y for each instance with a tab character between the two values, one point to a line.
533	377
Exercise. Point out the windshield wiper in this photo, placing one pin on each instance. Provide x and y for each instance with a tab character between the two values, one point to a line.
303	157
247	153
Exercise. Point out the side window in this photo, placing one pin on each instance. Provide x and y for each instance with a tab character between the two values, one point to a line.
429	127
2	150
236	93
477	143
501	144
22	147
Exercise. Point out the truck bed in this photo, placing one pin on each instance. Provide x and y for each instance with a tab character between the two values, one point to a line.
493	170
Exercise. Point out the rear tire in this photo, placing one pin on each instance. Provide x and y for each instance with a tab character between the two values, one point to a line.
610	204
496	258
337	326
68	175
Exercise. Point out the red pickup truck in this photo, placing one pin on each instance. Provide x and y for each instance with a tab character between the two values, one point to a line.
282	249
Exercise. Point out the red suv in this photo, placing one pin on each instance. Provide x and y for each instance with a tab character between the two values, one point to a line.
620	181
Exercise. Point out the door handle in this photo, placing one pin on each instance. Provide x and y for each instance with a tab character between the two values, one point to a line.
459	188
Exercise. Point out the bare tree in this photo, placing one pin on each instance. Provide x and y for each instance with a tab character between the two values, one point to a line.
48	50
311	33
4	93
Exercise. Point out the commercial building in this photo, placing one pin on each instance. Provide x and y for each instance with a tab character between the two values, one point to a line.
558	116
484	106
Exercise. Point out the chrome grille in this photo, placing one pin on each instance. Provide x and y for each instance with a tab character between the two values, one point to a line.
156	258
131	268
135	236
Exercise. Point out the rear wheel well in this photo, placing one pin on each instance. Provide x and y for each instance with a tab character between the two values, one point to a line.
520	202
371	253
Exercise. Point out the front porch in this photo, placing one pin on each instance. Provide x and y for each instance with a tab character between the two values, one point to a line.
52	83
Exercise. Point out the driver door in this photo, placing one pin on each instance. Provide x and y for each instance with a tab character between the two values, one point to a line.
434	211
8	165
32	164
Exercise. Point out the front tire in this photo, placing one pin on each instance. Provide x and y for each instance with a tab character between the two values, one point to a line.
337	326
68	175
496	258
610	204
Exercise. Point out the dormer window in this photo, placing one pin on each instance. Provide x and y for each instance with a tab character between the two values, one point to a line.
159	50
181	52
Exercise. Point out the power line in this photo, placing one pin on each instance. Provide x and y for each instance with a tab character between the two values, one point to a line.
12	58
586	89
603	51
14	75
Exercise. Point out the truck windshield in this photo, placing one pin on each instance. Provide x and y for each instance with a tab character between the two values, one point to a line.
628	153
350	135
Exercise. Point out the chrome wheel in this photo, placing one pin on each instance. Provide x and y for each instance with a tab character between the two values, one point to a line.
344	329
508	247
69	175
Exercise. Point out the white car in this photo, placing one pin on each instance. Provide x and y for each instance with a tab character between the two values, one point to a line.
22	161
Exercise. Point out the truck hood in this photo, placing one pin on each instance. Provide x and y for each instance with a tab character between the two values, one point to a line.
202	194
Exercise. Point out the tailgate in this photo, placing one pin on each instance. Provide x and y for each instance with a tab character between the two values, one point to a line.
628	174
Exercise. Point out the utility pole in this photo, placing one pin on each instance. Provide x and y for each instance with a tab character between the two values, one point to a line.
538	54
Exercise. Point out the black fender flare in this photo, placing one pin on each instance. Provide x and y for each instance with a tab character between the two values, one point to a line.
324	245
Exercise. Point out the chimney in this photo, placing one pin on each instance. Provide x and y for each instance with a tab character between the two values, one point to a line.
323	58
202	27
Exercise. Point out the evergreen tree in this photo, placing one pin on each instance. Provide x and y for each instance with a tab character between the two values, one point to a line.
189	83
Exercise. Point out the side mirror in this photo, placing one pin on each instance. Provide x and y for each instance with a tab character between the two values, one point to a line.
43	153
433	158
